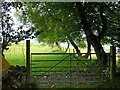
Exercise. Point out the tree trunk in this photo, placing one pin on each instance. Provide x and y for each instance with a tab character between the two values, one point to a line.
100	53
2	53
67	47
74	45
95	40
88	49
58	45
4	47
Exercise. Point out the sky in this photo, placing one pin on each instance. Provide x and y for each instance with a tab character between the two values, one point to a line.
34	41
15	19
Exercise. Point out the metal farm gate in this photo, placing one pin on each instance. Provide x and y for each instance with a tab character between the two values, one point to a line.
66	68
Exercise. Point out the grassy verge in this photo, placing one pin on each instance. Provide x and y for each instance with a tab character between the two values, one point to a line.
16	55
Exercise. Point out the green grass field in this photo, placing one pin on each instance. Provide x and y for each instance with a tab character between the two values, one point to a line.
16	55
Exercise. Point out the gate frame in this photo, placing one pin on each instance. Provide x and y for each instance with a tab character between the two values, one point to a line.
112	61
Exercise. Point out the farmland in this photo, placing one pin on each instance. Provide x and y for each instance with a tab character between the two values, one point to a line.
16	55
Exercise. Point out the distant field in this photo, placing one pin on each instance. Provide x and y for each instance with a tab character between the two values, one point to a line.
16	55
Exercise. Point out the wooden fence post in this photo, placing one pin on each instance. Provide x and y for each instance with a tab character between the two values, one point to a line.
28	60
112	62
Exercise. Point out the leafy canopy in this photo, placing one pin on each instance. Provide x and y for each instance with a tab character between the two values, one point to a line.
57	20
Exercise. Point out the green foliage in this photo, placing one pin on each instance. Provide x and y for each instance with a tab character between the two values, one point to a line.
51	24
9	33
81	44
99	21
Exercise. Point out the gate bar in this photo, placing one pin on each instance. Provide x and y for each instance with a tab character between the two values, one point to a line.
59	60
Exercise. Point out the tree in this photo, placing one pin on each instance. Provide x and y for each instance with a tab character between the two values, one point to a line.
67	46
51	29
97	21
9	34
88	49
101	11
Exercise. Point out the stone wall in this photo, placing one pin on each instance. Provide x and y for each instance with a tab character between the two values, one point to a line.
16	77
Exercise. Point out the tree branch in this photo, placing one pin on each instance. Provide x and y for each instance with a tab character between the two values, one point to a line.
104	26
74	45
84	22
